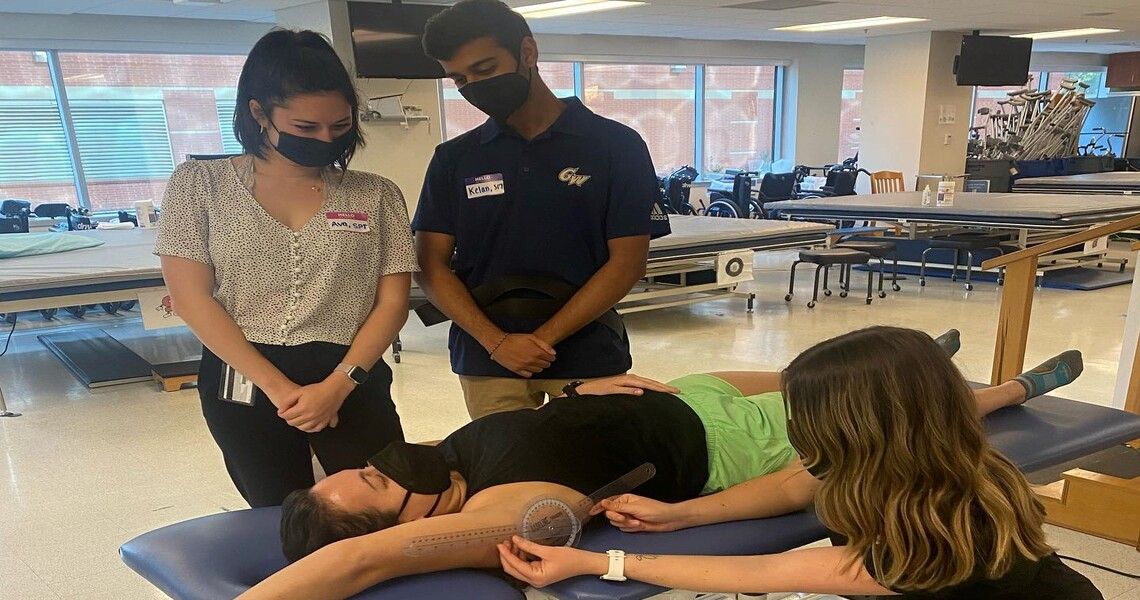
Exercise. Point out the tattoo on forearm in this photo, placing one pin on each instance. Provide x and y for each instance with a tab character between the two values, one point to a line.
645	556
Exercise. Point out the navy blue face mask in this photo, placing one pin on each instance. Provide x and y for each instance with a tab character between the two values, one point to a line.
311	152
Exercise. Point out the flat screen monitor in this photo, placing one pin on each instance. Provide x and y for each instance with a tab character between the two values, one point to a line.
386	40
993	60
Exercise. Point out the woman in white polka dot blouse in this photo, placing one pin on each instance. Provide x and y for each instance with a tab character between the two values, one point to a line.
294	273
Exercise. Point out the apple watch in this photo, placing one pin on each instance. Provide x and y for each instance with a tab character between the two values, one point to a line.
617	566
355	373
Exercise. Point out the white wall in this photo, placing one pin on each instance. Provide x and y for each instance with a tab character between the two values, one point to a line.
907	81
392	150
19	31
894	88
942	90
1076	61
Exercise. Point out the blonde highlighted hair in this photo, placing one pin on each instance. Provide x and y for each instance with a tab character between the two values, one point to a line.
886	421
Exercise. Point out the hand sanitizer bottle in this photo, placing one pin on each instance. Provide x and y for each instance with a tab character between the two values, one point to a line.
926	196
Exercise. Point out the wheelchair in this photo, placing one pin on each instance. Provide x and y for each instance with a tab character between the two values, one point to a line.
675	189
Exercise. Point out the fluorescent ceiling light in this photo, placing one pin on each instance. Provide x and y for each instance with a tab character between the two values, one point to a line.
571	7
1048	35
851	24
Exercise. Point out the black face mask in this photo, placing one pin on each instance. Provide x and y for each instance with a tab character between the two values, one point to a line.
500	96
311	152
817	470
417	468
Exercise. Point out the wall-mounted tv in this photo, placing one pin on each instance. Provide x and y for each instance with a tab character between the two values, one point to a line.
993	60
386	40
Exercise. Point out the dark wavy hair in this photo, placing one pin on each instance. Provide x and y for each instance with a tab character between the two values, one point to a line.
284	64
470	20
308	523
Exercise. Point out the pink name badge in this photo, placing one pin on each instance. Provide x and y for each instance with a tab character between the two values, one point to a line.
348	221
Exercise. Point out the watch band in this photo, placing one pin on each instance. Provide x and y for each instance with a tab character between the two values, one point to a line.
571	389
357	374
617	566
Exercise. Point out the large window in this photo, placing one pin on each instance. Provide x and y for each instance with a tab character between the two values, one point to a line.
35	163
1106	124
459	116
131	118
138	115
657	101
993	98
739	117
708	116
850	113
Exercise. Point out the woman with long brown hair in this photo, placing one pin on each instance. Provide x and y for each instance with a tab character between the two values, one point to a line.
894	453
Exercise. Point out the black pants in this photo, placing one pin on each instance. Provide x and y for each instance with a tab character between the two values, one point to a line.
265	456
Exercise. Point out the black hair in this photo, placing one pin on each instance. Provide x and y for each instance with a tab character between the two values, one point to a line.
470	20
308	523
284	64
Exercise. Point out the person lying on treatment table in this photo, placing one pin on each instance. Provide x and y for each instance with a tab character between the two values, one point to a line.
901	471
707	434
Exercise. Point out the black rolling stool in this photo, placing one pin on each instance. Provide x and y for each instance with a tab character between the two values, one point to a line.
824	258
968	243
880	250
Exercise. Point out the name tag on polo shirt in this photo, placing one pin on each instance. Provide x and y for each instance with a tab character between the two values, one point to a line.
485	185
348	221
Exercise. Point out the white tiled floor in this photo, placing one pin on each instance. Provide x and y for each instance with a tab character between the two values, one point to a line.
84	470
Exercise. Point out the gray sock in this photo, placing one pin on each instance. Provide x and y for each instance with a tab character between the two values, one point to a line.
951	341
1052	374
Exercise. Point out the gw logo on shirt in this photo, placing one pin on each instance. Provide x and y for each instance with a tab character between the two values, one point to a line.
570	176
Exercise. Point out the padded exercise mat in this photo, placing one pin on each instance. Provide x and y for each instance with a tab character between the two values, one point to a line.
1086	278
97	359
176	369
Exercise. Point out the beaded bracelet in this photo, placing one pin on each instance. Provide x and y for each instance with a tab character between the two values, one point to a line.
500	343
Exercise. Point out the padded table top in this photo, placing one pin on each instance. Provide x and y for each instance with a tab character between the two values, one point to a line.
222	555
1111	181
1032	210
1046	431
125	257
694	234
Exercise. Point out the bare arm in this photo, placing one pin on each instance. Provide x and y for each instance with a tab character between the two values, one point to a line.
191	286
447	292
779	493
350	566
347	567
389	313
782	492
814	570
316	406
606	288
524	354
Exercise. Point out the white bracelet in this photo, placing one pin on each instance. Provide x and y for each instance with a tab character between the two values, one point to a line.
617	566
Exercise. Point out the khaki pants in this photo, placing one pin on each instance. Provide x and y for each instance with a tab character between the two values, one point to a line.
486	395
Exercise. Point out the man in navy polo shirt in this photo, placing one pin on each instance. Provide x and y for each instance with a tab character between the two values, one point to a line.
534	225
